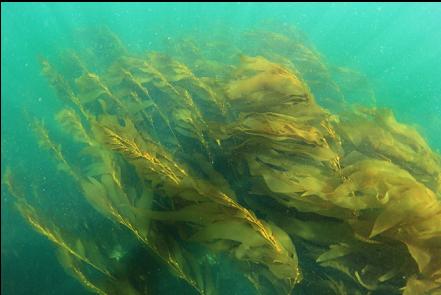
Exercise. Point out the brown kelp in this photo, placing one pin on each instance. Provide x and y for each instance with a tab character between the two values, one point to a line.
250	160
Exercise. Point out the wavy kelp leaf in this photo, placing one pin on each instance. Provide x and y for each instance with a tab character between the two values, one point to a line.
278	127
422	239
262	84
292	47
380	184
408	207
422	286
400	144
294	180
252	249
322	233
335	251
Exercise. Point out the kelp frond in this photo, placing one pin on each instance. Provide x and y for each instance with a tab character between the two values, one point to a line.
235	156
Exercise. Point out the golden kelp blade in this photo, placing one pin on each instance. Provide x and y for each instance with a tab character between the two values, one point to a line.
378	134
264	84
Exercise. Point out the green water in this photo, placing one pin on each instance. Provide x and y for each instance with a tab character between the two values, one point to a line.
397	47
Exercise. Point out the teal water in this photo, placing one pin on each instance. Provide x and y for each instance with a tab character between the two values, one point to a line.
397	47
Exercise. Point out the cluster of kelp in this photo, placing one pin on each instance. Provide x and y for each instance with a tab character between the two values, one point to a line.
214	157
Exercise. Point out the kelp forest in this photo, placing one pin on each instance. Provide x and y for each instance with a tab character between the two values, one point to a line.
210	167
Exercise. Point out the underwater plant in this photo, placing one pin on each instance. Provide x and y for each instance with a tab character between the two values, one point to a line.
243	160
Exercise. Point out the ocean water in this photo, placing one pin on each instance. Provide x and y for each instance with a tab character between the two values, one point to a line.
396	47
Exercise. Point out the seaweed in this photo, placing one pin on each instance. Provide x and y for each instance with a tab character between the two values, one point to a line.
245	156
